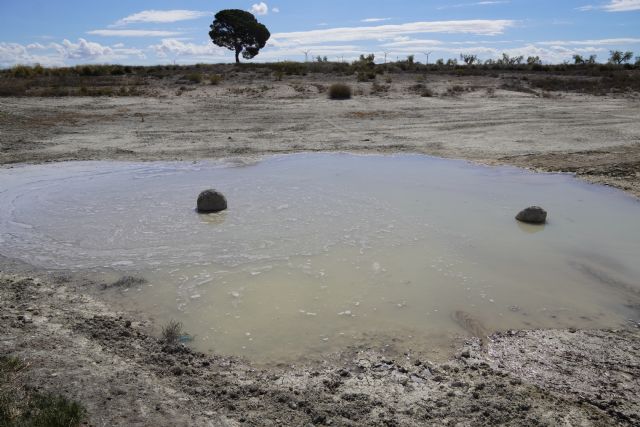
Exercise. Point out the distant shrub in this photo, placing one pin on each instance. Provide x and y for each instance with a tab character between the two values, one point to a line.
365	76
215	79
290	68
339	91
195	78
12	88
426	93
22	71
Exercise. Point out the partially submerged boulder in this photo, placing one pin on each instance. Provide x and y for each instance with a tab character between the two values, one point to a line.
533	215
210	201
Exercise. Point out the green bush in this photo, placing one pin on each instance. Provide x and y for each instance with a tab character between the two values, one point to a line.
215	79
339	91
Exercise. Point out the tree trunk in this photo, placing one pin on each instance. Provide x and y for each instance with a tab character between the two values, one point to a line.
238	55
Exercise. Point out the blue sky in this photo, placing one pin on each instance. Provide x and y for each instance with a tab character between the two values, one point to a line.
68	32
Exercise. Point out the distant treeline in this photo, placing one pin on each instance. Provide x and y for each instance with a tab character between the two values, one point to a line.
469	64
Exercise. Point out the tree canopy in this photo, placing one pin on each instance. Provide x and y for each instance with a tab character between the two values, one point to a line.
618	57
239	31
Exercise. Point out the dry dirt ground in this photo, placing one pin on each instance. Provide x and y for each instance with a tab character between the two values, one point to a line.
81	346
596	137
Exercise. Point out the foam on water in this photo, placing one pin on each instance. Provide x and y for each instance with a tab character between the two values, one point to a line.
321	251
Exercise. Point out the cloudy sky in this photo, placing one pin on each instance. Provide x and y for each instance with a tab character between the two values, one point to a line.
68	32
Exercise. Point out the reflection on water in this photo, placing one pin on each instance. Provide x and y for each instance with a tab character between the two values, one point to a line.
321	251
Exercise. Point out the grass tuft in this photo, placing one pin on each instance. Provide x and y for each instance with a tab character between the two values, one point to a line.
171	332
19	407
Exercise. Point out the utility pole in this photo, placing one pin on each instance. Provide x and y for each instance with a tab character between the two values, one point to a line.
306	55
385	57
427	55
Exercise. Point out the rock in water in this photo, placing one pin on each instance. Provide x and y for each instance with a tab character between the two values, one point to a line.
211	201
533	215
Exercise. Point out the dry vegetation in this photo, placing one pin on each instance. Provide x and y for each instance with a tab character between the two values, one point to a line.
22	406
118	80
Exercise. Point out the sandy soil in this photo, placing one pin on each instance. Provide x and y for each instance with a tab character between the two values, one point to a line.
597	138
80	345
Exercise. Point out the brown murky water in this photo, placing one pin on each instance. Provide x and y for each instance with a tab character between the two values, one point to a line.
322	251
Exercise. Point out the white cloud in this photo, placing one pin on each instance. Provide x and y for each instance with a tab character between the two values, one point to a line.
614	6
84	50
37	46
133	33
622	5
413	43
162	16
478	3
259	8
14	53
175	47
275	10
386	32
598	42
375	19
59	54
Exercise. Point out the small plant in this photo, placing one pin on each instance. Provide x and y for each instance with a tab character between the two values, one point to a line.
215	79
195	78
172	332
388	80
20	407
339	91
278	75
54	411
9	364
491	92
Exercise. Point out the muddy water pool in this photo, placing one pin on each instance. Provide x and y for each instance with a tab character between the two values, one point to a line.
318	252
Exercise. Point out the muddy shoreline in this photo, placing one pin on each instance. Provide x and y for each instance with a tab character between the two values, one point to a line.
83	347
115	364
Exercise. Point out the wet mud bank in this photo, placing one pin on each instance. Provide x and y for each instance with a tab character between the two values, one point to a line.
113	362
